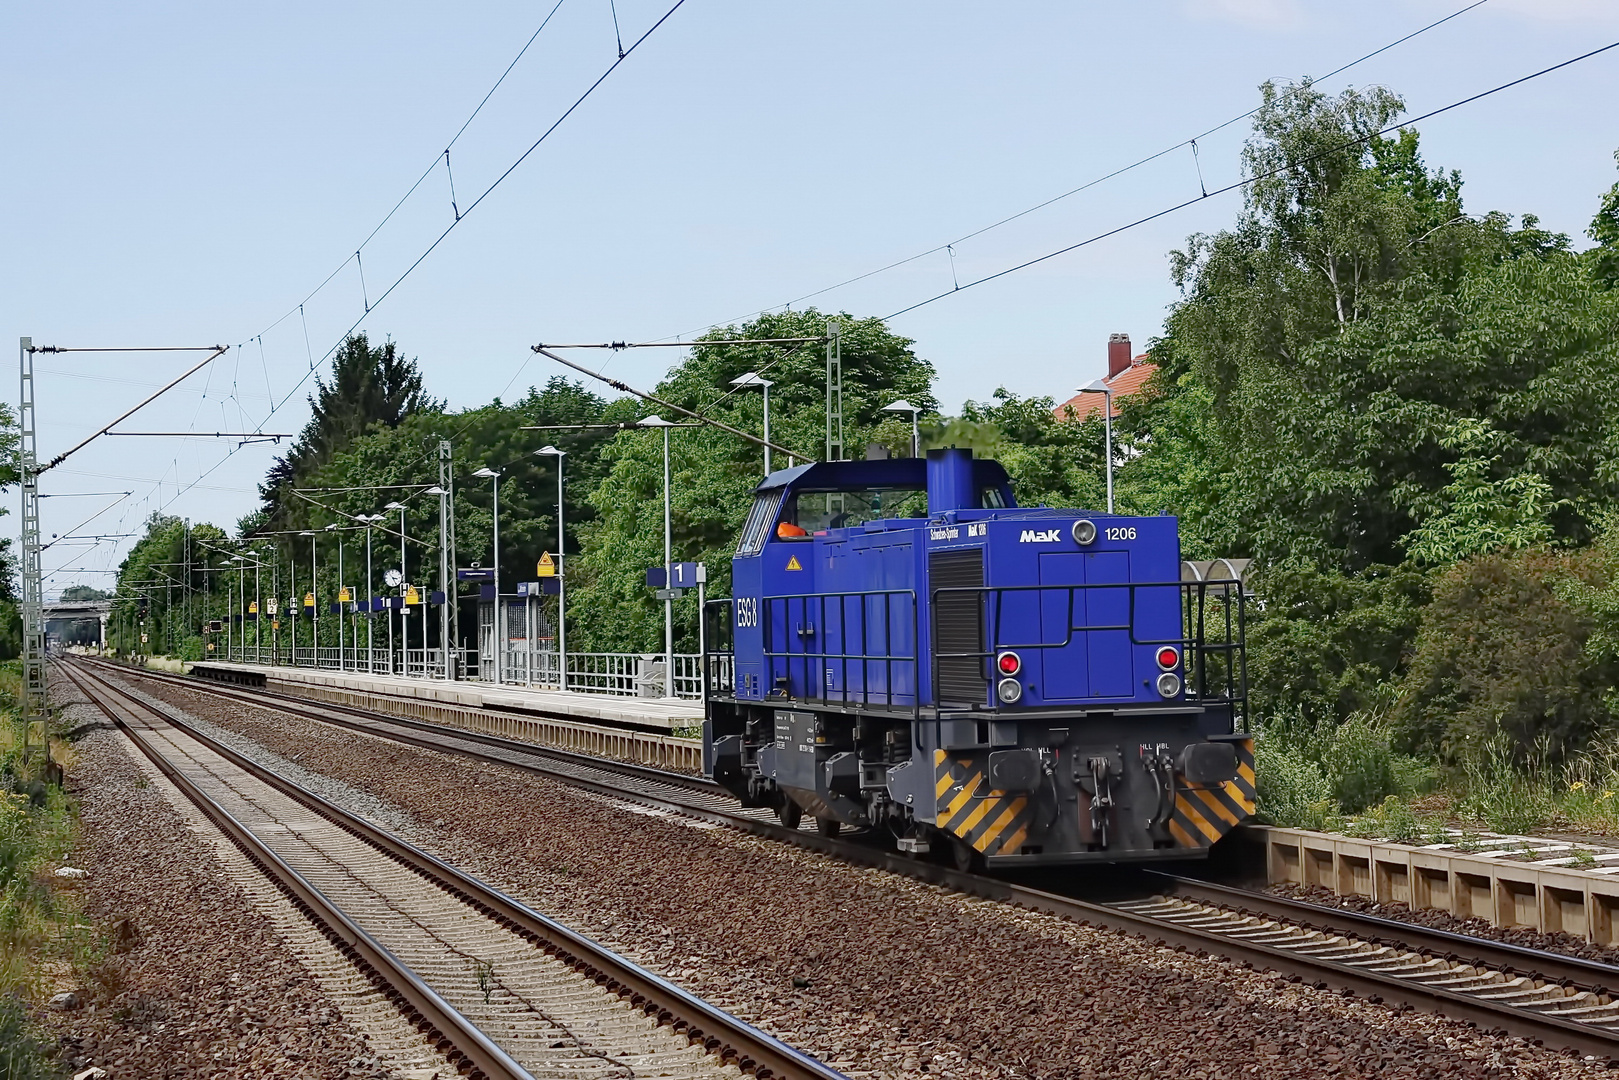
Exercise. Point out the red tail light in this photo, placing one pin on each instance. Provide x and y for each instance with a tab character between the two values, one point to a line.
1168	657
1009	663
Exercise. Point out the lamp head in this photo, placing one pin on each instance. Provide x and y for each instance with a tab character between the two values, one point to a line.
306	532
901	406
435	490
1100	386
654	422
752	378
486	473
393	506
332	526
550	451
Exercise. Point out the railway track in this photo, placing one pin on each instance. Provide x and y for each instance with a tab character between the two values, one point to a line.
502	991
1549	998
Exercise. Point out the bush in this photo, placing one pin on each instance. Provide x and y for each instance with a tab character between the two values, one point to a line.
1500	663
1360	764
1292	790
1327	643
1496	790
1392	819
1310	774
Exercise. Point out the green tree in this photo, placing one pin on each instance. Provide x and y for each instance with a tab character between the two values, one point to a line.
1501	658
1480	513
1361	373
1052	461
176	577
713	472
370	387
1603	259
1352	317
84	592
395	464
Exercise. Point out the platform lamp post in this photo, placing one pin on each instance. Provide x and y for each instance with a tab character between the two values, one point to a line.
916	435
404	654
493	476
258	606
314	607
562	569
370	593
240	606
668	544
753	378
443	584
1100	386
332	528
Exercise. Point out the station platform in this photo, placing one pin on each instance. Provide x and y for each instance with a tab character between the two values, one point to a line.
648	713
652	732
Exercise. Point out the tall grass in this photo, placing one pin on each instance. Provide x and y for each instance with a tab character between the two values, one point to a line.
23	1054
1349	777
41	931
1312	776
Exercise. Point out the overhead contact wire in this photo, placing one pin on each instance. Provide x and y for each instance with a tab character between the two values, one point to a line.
277	406
1092	183
1256	177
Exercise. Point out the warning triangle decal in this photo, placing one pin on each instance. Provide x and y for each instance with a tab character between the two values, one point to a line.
794	564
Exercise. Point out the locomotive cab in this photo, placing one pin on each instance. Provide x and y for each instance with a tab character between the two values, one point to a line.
909	650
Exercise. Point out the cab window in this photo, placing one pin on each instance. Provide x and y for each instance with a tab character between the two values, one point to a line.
811	512
757	527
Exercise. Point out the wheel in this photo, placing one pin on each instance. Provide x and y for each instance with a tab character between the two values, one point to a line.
828	827
965	857
789	813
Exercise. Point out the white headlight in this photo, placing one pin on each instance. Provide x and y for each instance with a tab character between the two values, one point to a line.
1169	684
1009	691
1084	532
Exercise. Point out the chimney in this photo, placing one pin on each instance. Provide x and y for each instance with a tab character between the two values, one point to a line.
1118	354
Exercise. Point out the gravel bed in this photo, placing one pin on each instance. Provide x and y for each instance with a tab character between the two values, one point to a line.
195	984
879	975
1566	944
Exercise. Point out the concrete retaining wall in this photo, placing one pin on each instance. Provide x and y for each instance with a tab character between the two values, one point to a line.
640	748
1544	894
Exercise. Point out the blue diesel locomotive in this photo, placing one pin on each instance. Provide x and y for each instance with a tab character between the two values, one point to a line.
906	649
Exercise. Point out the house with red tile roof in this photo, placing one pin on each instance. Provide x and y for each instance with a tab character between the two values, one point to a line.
1126	375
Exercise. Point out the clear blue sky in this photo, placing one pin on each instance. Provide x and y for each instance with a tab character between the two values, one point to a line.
182	173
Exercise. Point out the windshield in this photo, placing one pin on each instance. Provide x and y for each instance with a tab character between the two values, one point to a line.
757	526
818	511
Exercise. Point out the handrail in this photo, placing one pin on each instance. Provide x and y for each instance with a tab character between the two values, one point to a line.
1196	650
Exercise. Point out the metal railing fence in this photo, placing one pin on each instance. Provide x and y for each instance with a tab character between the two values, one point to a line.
613	674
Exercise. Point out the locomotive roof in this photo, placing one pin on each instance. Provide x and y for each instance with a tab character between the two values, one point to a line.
895	472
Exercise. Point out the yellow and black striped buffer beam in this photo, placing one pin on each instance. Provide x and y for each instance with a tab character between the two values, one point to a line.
992	822
1203	814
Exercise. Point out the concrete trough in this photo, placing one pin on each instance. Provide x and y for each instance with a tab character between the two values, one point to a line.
1508	881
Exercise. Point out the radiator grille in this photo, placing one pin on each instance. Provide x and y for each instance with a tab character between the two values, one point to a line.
958	626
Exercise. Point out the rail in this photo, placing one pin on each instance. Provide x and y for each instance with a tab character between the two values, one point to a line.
471	1043
1343	968
728	1037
